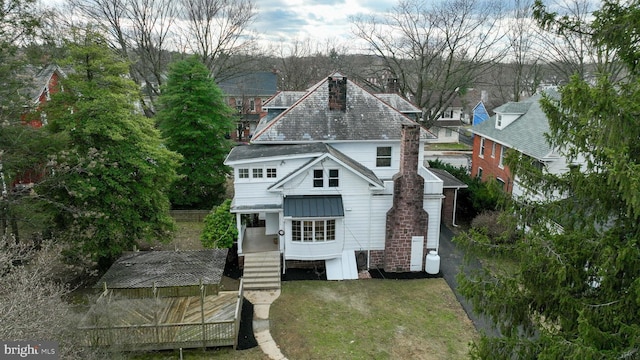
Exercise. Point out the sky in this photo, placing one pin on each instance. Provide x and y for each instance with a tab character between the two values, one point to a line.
316	19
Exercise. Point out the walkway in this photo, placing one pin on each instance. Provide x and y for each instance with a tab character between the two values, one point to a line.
262	300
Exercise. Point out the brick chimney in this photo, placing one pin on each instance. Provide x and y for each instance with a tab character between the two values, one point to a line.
406	218
338	93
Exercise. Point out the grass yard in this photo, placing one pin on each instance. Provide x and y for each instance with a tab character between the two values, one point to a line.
197	354
370	319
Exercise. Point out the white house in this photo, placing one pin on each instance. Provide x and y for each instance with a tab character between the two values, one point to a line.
335	175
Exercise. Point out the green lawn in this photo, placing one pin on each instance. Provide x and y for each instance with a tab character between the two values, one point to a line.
370	319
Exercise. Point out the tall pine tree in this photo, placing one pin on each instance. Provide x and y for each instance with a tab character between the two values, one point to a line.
110	184
576	293
195	122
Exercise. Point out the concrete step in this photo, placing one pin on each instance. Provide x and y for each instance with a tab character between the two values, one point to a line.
268	263
262	271
261	283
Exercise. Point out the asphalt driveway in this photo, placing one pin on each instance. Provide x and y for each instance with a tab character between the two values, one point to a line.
451	261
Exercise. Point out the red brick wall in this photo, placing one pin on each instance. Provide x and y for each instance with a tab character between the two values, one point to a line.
406	218
376	259
490	164
447	206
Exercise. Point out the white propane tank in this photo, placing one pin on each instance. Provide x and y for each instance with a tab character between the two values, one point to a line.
432	263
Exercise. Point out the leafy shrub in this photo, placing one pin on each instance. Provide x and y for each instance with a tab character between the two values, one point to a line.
478	197
496	226
220	230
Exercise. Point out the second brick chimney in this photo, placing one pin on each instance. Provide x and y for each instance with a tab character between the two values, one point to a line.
337	93
407	217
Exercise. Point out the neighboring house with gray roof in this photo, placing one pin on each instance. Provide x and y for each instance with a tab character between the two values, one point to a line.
318	179
519	126
40	84
247	93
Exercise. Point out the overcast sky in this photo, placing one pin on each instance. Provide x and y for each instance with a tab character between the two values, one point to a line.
317	19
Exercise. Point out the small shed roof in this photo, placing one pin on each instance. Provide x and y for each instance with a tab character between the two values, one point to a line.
165	268
449	181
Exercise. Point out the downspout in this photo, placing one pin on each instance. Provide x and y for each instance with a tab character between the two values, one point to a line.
369	245
455	203
240	232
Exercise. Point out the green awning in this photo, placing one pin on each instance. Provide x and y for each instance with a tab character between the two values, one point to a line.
313	206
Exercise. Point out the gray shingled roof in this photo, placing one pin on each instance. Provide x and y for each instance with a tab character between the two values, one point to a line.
309	119
448	181
256	151
513	107
525	134
262	83
403	105
283	99
165	268
37	80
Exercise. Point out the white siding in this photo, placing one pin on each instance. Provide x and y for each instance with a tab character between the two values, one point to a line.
250	192
432	205
363	225
365	154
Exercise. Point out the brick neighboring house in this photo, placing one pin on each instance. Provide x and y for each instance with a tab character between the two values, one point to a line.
247	92
520	126
40	86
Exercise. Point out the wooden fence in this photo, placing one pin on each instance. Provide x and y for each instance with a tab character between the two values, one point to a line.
189	215
118	331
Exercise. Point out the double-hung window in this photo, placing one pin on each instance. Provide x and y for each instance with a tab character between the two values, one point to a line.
383	156
332	180
318	178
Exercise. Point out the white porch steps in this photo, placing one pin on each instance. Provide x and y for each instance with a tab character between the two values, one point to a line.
262	271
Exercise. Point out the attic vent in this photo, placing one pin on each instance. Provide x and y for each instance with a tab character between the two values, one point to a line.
338	94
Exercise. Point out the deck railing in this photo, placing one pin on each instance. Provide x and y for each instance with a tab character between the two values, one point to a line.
109	332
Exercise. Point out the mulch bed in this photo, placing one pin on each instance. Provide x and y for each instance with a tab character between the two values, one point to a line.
246	340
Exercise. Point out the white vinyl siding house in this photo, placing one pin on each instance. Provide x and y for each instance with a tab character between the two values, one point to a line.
333	171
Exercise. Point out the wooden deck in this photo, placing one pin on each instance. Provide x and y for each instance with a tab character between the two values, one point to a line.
164	323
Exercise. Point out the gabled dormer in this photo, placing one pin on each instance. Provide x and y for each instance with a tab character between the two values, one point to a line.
510	112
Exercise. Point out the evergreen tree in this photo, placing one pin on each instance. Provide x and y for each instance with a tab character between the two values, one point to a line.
195	122
110	184
576	293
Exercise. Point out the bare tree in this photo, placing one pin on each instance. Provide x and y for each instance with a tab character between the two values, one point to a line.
302	62
435	50
217	30
141	31
32	304
568	48
523	61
